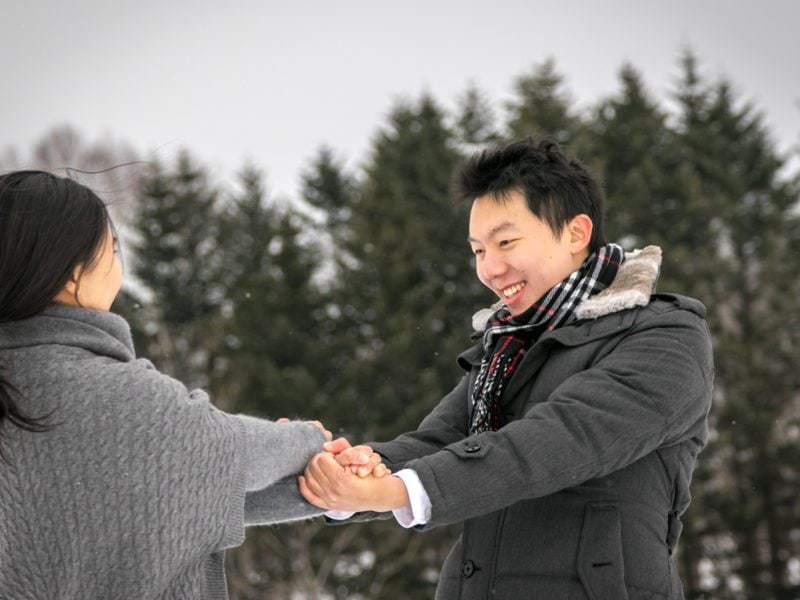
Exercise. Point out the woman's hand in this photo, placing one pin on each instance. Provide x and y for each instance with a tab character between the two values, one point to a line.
361	460
328	435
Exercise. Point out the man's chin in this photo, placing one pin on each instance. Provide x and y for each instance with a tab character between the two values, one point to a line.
520	305
518	310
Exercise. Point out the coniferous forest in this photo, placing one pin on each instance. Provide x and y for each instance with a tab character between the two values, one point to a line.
350	303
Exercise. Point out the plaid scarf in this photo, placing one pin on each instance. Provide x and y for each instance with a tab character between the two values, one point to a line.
506	338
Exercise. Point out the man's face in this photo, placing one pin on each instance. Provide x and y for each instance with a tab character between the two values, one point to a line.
517	256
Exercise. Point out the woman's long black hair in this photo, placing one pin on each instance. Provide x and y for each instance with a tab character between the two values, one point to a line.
49	225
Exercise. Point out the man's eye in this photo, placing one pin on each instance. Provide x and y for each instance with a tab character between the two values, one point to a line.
477	251
506	242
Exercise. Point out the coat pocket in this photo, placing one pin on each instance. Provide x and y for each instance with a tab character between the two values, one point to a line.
600	566
451	568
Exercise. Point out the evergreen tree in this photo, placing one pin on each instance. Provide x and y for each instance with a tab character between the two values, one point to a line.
404	291
748	503
275	307
652	191
411	290
475	119
328	187
177	260
274	364
542	108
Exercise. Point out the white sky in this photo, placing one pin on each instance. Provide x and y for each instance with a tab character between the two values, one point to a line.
254	80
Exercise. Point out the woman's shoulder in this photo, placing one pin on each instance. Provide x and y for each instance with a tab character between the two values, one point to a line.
68	371
138	377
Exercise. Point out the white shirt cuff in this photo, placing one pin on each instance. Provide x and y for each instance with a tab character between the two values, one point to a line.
339	515
419	513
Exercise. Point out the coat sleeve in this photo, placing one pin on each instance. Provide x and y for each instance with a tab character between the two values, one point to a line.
653	389
446	424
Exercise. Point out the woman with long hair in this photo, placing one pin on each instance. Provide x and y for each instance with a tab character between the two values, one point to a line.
115	480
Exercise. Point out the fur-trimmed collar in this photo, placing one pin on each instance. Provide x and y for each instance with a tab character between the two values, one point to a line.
634	284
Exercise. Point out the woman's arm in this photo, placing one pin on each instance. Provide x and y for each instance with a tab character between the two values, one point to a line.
278	503
274	451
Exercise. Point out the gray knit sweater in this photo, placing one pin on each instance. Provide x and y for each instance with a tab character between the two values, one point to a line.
141	484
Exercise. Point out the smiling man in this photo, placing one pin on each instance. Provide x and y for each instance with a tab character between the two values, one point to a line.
568	446
517	255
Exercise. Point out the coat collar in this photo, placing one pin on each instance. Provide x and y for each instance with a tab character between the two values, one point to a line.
634	284
632	287
100	332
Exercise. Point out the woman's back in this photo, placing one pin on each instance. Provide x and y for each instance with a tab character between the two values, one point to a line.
138	486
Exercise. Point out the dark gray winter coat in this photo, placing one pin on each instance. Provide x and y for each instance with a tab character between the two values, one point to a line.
579	494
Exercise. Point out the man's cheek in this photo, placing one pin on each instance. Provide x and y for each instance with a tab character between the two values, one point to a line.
483	280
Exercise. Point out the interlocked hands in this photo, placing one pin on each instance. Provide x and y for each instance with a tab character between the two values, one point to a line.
349	478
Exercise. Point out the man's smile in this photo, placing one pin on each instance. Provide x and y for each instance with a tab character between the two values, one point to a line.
510	290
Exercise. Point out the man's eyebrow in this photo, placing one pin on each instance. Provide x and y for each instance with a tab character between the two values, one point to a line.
504	226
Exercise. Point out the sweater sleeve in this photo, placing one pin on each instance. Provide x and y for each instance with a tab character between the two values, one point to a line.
272	451
273	455
279	503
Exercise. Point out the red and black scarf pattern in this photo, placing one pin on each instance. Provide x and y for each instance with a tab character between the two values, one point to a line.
506	338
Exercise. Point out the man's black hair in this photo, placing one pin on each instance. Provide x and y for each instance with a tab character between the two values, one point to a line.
556	187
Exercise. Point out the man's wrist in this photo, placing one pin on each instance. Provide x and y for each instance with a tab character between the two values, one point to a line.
395	494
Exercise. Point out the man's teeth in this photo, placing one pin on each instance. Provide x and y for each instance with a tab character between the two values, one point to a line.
510	291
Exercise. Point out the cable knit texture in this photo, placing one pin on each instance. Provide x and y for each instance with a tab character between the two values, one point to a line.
140	484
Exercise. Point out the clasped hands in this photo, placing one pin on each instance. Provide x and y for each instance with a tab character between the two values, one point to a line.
348	478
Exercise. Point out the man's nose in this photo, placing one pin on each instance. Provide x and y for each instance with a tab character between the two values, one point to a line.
493	265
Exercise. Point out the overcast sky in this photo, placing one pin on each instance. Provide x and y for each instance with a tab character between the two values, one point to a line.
270	82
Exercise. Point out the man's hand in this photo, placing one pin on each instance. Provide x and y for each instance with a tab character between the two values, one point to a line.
327	484
328	435
361	460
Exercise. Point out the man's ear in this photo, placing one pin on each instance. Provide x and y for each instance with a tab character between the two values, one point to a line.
579	230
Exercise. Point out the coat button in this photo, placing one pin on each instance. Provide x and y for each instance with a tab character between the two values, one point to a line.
468	568
472	447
